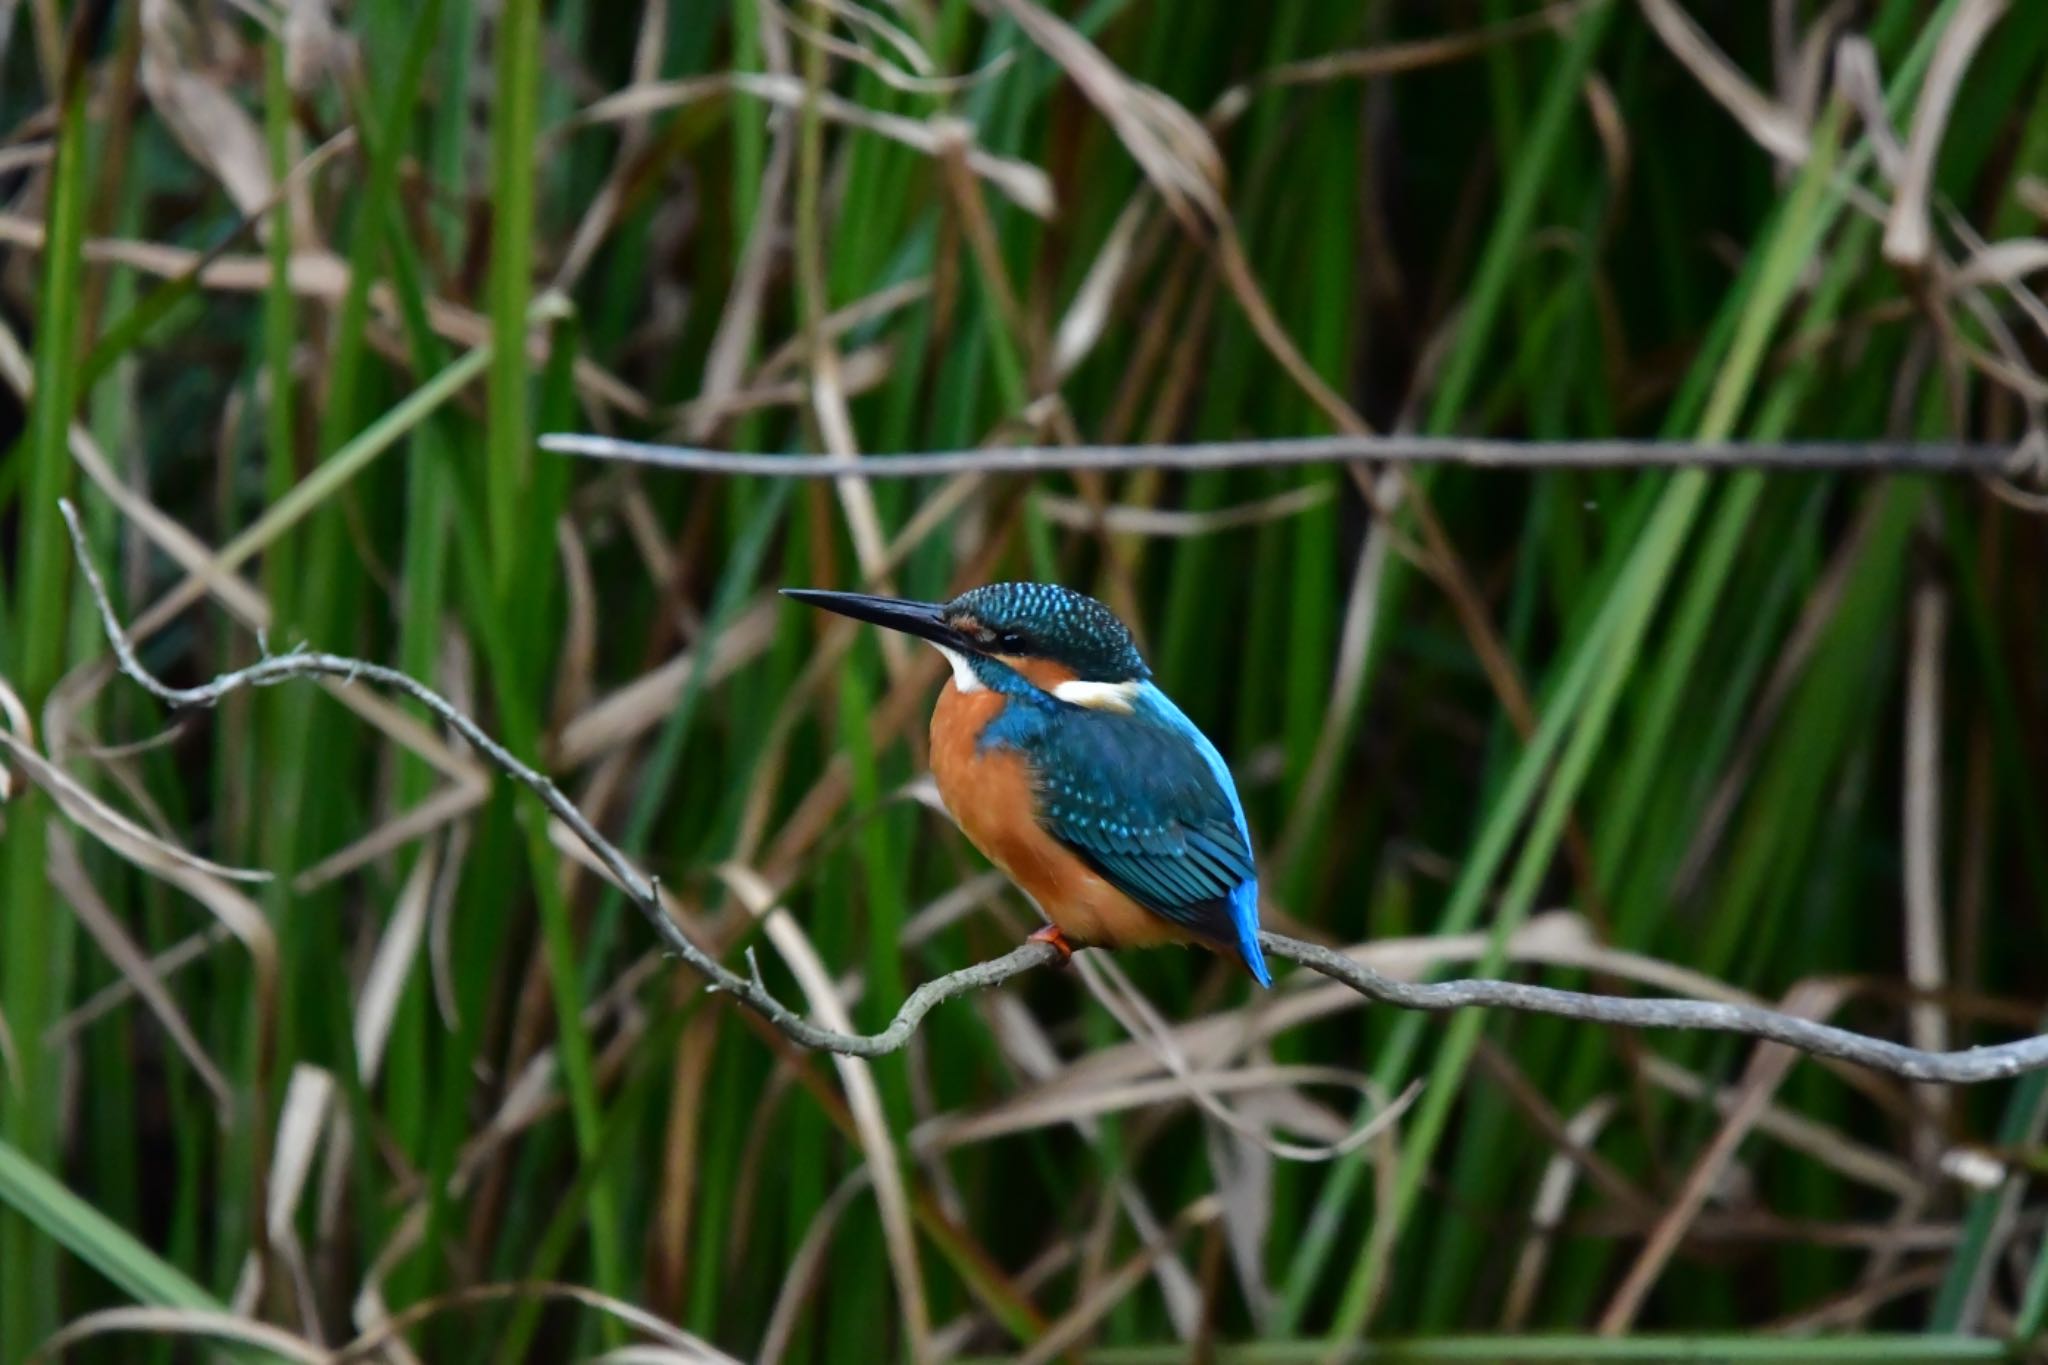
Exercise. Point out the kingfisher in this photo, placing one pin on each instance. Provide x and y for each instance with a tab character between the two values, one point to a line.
1063	762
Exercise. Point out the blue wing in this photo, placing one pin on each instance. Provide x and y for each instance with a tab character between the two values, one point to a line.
1147	802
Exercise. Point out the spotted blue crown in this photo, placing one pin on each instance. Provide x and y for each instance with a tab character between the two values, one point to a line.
1045	620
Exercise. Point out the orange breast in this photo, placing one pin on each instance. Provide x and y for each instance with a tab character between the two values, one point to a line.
989	792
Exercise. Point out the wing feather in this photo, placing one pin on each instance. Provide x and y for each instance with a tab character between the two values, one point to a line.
1142	807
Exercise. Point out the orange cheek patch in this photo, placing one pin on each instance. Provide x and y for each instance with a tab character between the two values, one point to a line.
1042	674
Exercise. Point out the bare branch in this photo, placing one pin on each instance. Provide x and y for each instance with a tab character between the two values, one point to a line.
1868	456
639	888
1954	1068
1966	1067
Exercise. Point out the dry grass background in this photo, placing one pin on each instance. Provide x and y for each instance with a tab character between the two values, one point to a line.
295	286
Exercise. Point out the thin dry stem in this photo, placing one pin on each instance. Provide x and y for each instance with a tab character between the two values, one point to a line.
1939	457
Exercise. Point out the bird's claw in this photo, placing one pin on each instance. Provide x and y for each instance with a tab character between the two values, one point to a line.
1051	934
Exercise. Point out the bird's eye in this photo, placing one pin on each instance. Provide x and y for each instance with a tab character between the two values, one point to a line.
1010	642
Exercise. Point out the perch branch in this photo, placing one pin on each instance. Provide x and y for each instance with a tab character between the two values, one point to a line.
1956	1068
1866	456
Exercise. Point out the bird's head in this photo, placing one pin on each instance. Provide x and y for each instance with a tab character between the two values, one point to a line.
1053	638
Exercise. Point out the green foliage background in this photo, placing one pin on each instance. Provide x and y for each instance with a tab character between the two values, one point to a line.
1476	217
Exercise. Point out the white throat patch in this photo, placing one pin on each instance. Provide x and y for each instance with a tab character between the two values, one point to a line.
963	672
1099	696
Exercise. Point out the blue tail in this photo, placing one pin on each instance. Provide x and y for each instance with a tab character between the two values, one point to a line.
1244	905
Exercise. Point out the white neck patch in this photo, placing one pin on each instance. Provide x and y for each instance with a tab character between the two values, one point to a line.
1099	696
964	679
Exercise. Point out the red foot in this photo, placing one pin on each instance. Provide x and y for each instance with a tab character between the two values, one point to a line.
1051	934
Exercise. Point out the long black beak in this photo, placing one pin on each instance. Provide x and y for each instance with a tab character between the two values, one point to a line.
925	620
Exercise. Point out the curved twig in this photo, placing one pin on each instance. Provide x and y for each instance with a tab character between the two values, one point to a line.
277	668
1965	1067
